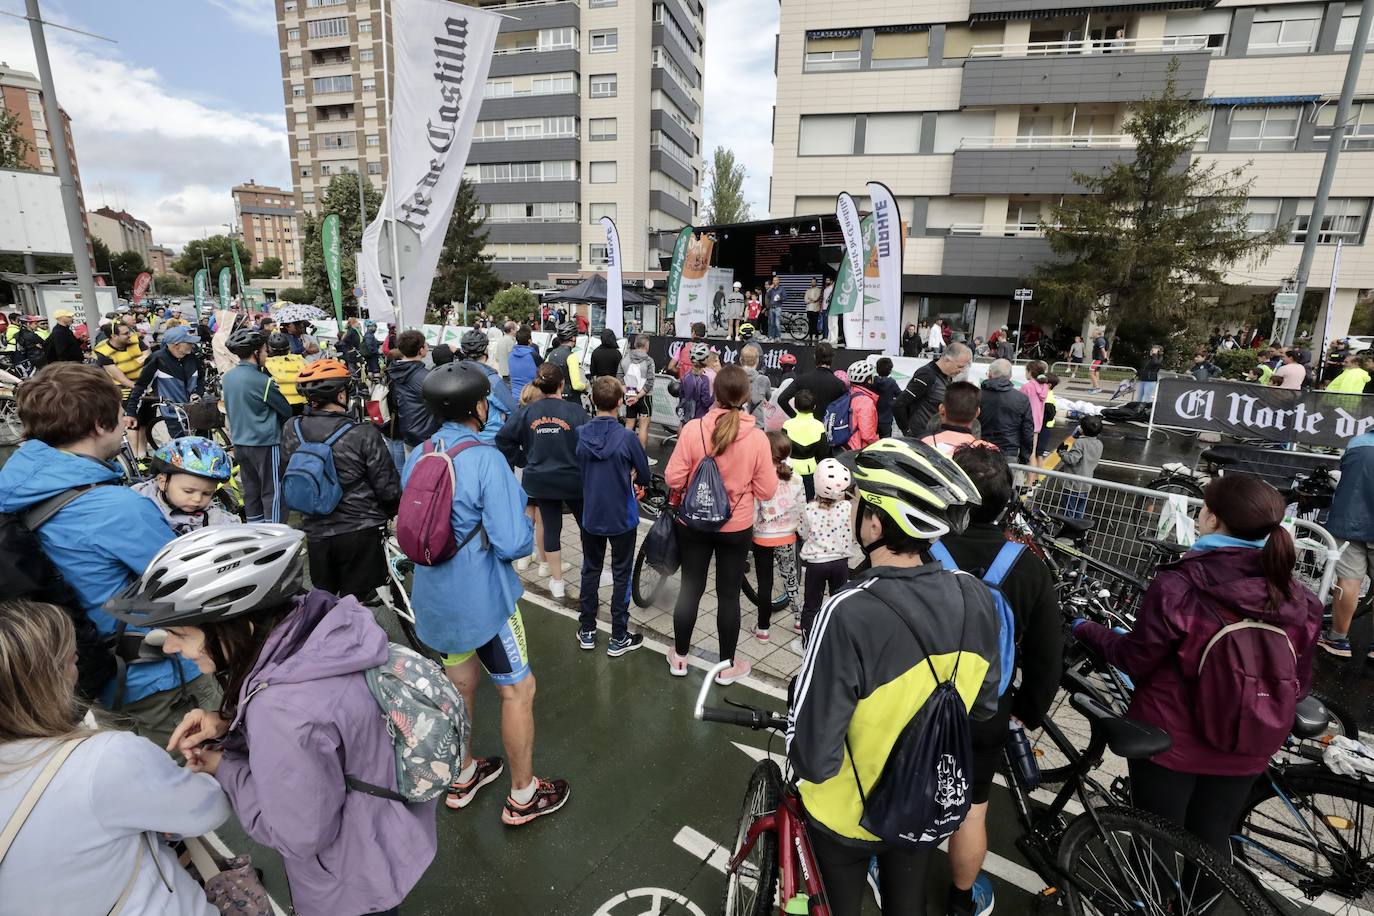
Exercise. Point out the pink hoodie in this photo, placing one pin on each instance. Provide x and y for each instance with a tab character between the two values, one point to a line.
746	466
1037	392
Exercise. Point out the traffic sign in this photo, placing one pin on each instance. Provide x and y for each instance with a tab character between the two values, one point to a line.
1285	304
1023	295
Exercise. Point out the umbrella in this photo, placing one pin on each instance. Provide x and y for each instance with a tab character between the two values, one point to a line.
294	311
593	289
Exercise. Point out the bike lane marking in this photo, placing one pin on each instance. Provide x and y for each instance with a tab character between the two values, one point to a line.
703	848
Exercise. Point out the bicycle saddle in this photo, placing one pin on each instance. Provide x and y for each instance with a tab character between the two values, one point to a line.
1311	718
1074	527
1126	737
1169	548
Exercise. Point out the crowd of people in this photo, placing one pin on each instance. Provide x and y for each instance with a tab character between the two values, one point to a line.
251	698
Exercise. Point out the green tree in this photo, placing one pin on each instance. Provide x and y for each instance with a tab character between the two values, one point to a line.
340	197
293	294
462	261
215	252
1147	245
13	146
172	285
514	302
270	268
725	201
126	266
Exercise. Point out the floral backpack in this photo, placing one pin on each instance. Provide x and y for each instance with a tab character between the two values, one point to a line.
427	721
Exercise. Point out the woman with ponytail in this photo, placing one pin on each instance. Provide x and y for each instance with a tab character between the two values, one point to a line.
1241	568
745	460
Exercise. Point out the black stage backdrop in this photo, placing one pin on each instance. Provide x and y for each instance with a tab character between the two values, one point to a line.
664	350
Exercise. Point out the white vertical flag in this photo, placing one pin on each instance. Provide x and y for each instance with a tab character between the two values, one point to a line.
887	226
442	54
848	214
615	284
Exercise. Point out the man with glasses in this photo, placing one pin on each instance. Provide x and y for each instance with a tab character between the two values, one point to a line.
919	402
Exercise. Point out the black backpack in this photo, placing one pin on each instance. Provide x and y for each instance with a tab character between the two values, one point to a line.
26	572
922	794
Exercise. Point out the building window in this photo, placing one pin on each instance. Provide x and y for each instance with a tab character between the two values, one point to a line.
602	128
895	50
1263	129
561	212
364	25
365	56
303	145
1359	132
335	141
305	171
297	91
1285	30
369	85
603	86
293	34
374	140
308	197
289	6
892	134
826	135
603	172
1261	214
596	254
604	40
660	141
370	113
326	169
323	84
1345	35
312	4
374	168
559	84
293	63
596	211
831	49
327	28
594	4
1344	219
564	39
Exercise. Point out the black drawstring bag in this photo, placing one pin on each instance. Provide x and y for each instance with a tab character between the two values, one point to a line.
922	794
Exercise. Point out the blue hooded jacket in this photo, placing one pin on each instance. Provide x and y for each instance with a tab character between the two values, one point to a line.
500	404
1351	517
607	452
461	604
99	542
524	362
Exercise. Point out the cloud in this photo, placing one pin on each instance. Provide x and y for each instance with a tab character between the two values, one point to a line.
741	89
163	153
250	15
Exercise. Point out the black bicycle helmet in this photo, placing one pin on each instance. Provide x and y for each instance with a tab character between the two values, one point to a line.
278	344
566	330
244	342
474	344
453	391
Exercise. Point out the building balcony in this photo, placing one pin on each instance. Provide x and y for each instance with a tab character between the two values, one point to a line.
666	203
979	255
1007	9
567	231
550	148
327	41
526	61
1172	44
537	14
519	192
1080	78
1029	170
530	106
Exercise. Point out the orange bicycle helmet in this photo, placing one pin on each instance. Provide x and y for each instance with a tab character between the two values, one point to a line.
323	379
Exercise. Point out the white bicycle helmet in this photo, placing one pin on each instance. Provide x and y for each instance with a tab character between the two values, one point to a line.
832	479
698	353
861	373
215	574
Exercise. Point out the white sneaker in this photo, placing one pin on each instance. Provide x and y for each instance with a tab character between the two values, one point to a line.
607	578
653	461
522	564
557	588
543	569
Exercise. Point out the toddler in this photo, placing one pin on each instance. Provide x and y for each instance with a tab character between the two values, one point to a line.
189	472
827	532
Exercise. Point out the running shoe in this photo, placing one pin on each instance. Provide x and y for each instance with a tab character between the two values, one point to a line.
543	568
739	669
618	647
761	634
653	461
557	588
586	639
983	897
1338	646
522	564
677	664
460	795
551	795
796	623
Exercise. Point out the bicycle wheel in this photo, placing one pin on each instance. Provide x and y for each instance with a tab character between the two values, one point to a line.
647	583
1065	728
396	597
796	327
1174	484
749	889
1306	831
1139	863
11	429
750	591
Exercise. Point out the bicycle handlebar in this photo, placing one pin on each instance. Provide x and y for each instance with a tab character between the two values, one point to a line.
748	716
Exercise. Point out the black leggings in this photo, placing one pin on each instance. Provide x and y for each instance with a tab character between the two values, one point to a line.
1206	806
731	550
844	869
551	514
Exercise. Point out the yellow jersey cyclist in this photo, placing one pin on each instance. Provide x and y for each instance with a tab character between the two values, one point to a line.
466	606
868	671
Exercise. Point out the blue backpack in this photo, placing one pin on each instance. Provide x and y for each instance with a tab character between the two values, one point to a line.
311	482
836	420
1006	637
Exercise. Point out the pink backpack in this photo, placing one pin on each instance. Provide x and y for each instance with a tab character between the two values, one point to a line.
424	523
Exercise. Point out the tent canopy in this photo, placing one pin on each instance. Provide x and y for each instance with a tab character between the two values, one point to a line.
593	289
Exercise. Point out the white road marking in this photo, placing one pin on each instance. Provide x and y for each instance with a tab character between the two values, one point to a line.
213	839
757	753
656	897
703	848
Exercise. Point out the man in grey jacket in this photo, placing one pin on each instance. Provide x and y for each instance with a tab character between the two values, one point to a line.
637	375
1005	414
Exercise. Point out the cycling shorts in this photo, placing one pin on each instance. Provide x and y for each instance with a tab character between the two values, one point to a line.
505	656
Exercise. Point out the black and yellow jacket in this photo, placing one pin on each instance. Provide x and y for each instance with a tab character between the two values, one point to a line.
864	677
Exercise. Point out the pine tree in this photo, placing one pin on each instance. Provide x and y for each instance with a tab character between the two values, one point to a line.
462	260
1151	235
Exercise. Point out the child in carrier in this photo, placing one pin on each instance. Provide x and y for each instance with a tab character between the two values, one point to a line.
775	534
189	472
827	532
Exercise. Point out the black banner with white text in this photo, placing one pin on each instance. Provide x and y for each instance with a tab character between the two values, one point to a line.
1250	411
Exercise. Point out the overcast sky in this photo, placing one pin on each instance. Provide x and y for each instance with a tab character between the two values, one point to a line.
188	103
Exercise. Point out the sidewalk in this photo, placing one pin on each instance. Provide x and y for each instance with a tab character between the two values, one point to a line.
774	661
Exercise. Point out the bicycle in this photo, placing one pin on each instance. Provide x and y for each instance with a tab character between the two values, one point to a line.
396	596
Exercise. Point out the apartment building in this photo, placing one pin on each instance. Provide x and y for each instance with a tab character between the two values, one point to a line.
266	217
591	108
22	95
160	259
978	112
121	231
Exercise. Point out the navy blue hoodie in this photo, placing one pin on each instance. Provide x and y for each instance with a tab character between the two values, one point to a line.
541	437
607	452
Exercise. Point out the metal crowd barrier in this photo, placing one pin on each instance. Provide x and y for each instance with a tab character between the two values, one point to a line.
1106	372
1123	515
